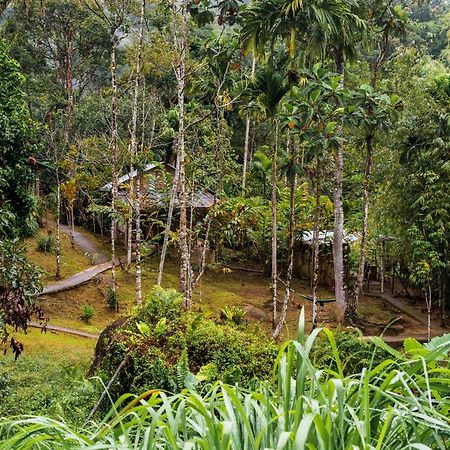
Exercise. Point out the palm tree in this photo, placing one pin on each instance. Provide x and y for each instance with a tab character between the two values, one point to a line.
261	167
290	169
372	113
268	88
322	28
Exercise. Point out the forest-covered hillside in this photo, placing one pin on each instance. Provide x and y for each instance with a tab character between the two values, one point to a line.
187	185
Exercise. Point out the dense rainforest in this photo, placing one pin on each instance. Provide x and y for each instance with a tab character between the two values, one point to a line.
224	225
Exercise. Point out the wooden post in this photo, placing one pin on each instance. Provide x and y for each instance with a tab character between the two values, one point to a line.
37	186
393	279
382	265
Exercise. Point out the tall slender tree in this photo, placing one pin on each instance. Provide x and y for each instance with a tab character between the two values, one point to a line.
180	35
136	207
268	89
321	29
291	170
114	14
371	112
247	135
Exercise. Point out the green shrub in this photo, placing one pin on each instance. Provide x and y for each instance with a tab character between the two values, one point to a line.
398	404
354	352
233	314
111	297
163	342
45	243
161	303
87	313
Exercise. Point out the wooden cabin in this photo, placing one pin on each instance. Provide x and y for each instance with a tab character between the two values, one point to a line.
156	183
303	264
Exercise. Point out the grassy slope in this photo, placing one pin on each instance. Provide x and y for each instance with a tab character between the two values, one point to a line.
50	371
215	291
73	260
47	377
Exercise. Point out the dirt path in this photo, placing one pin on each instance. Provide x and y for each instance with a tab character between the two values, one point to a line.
77	279
403	306
65	330
86	244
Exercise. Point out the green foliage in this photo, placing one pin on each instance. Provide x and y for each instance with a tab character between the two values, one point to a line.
63	391
45	243
417	200
162	303
87	312
233	314
18	139
354	353
111	297
168	346
395	404
19	287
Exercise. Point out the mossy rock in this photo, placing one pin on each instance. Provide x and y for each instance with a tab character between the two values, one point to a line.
160	340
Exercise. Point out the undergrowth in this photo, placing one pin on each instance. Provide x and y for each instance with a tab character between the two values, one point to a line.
400	403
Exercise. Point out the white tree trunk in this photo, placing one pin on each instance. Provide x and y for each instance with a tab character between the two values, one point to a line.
338	238
137	207
136	200
114	159
338	228
58	228
72	226
247	137
69	85
246	151
287	293
316	248
173	196
274	227
204	250
180	39
130	227
365	225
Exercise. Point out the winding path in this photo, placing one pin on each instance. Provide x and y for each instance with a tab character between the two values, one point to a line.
85	244
105	264
77	279
403	306
71	331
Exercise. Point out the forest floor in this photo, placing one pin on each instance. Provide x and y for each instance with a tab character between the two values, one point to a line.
53	363
219	287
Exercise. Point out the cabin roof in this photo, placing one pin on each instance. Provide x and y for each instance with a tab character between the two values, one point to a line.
155	196
325	237
128	176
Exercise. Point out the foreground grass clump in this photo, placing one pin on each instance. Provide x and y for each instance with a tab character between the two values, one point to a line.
163	346
401	403
46	383
355	353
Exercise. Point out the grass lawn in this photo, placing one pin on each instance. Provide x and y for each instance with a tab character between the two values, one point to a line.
216	290
48	378
73	260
